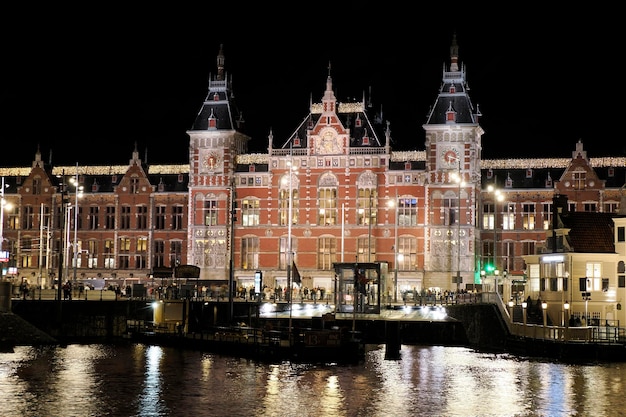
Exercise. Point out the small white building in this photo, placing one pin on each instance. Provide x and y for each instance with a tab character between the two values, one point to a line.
580	273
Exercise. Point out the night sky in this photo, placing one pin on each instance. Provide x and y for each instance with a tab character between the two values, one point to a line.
86	86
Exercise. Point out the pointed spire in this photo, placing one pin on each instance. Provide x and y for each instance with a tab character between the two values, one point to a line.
454	54
329	99
220	63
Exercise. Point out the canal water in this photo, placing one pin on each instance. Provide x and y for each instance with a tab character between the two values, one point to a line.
142	380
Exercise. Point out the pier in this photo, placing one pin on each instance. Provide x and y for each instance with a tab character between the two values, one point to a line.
480	321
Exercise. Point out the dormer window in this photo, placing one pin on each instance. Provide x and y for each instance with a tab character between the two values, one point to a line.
611	172
310	124
212	121
452	89
95	187
490	173
180	177
296	142
358	122
549	181
529	173
508	182
216	97
450	114
407	166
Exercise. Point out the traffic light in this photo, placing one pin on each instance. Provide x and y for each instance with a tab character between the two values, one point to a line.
489	268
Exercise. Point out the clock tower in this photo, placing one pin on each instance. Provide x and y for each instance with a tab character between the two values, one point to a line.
215	140
453	152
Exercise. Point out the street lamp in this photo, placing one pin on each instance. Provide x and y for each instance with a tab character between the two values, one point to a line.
292	171
396	256
566	308
524	305
491	189
78	193
544	308
63	239
457	177
2	205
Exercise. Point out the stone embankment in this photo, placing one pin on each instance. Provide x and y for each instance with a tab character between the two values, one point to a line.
15	331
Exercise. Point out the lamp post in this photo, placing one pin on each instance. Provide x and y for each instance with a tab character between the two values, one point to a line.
2	214
231	272
290	173
524	306
458	178
2	205
544	308
566	308
497	197
62	245
395	248
78	193
369	230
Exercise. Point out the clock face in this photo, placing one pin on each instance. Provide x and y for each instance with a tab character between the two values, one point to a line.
449	157
212	161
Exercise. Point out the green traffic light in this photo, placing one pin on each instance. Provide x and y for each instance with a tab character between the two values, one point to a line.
489	268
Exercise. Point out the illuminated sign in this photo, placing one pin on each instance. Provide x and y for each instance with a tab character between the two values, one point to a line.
553	258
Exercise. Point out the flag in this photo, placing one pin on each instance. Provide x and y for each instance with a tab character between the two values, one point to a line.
295	273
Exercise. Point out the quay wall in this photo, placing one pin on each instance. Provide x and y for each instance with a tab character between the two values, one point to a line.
81	321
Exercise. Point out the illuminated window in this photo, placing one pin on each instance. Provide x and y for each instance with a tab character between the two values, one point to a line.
283	199
407	211
488	216
407	253
250	252
547	216
366	249
327	203
508	216
528	216
326	252
366	206
210	213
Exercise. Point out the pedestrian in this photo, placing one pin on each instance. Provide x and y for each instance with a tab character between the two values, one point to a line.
67	290
24	288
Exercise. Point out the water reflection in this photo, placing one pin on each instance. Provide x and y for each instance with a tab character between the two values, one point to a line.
140	380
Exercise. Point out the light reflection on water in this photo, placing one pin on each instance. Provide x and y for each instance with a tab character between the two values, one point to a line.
140	380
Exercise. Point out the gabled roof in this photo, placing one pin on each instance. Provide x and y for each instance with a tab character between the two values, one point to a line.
356	117
590	232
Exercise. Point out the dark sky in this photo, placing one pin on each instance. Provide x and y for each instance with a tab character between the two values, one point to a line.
87	85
